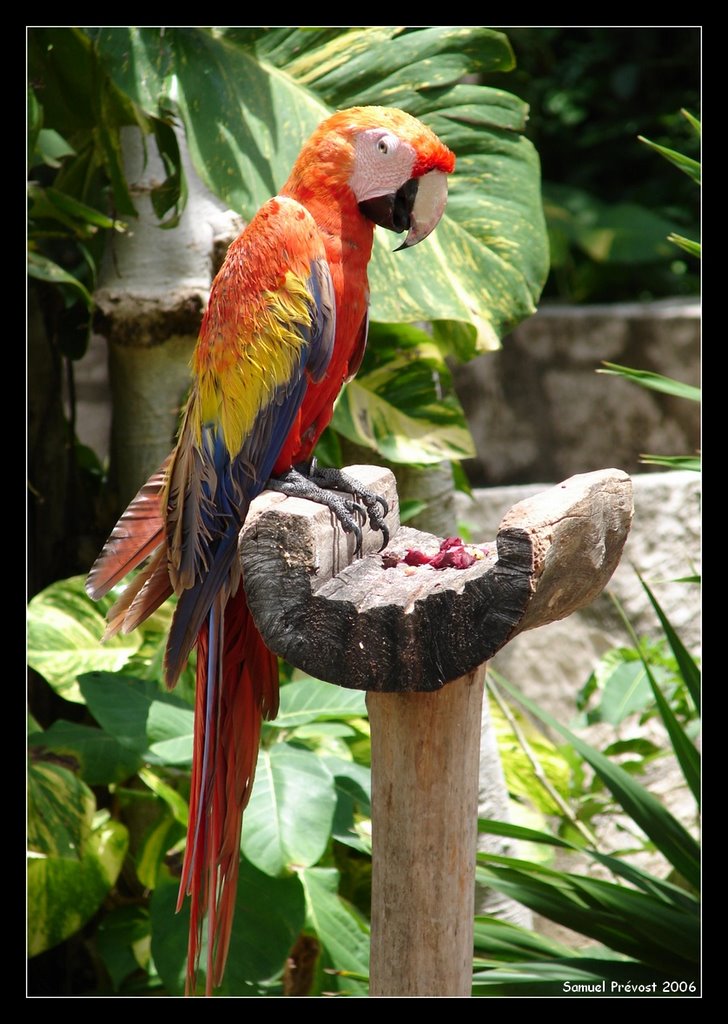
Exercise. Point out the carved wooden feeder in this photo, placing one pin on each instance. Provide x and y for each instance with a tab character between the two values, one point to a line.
402	633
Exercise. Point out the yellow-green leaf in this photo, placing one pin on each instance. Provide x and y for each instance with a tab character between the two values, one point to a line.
64	638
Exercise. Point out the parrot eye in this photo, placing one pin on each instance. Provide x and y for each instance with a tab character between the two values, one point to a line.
387	144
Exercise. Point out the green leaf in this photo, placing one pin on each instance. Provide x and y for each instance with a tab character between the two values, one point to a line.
123	942
518	769
60	811
653	381
35	123
249	99
455	339
288	820
501	940
65	892
677	845
176	803
607	232
625	690
343	934
630	922
44	269
410	508
82	103
648	883
143	718
172	193
376	65
358	778
686	663
394	410
328	449
460	480
676	462
53	202
403	402
576	975
64	632
102	759
174	751
686	754
52	147
153	847
692	121
691	247
526	835
322	731
353	802
685	163
269	914
311	700
636	745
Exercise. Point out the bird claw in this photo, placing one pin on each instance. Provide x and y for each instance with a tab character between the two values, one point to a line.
316	483
329	477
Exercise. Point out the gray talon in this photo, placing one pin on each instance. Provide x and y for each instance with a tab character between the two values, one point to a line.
327	477
316	483
295	484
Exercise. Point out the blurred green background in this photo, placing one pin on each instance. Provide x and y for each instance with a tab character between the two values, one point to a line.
609	200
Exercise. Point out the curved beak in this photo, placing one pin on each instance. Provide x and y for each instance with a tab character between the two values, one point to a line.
416	207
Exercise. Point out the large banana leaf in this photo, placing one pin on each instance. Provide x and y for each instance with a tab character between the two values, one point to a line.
250	97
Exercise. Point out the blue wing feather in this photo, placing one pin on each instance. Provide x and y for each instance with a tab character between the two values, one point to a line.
227	491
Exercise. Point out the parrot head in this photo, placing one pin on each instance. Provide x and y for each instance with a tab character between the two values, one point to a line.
394	166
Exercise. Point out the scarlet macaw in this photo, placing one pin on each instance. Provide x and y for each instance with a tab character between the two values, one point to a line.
285	328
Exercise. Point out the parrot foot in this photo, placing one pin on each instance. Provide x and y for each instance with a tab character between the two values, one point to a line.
316	483
296	485
335	479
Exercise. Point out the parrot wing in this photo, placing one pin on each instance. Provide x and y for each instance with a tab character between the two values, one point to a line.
269	328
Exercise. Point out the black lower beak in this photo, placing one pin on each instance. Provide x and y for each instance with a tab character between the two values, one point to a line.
393	211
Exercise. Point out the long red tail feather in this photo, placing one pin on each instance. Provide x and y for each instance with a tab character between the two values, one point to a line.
230	707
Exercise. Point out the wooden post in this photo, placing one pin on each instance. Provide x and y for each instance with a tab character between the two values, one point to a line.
425	753
402	633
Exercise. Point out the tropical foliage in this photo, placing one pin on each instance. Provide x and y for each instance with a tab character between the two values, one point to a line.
117	784
645	378
609	206
643	926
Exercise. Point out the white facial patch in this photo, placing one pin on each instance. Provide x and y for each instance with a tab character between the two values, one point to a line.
382	164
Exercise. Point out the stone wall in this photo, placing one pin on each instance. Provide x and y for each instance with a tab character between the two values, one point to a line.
539	411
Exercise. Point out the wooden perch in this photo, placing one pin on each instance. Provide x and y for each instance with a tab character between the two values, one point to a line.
358	624
396	631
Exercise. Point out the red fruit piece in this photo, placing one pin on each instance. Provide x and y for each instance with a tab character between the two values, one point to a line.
453	558
415	557
451	542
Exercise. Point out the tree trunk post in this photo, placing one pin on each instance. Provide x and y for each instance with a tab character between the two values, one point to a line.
425	755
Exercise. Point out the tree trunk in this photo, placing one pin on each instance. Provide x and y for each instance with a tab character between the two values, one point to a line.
152	291
413	737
